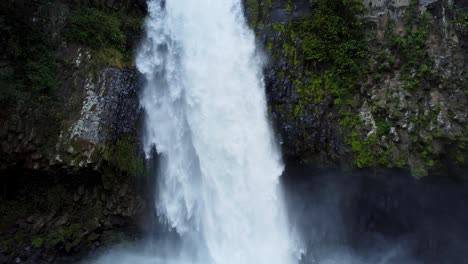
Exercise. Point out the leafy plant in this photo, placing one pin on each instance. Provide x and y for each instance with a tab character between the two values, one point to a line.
96	29
111	35
31	72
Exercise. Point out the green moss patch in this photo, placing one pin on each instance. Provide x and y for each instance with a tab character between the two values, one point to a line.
125	155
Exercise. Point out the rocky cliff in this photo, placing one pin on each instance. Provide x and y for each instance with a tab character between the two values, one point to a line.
70	161
374	84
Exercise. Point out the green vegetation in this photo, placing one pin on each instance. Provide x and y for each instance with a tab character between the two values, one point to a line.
407	52
411	47
460	18
333	38
333	50
37	242
96	29
125	156
31	75
332	46
69	235
110	34
331	57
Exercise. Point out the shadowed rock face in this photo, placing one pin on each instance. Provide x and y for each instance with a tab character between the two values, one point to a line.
92	106
64	163
109	110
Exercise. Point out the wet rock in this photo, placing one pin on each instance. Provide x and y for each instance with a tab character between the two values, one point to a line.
62	220
36	156
30	219
50	216
123	190
38	225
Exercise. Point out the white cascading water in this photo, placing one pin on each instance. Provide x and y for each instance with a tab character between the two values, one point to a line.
206	114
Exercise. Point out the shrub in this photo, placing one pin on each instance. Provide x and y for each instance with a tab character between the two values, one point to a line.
333	37
111	35
96	29
31	72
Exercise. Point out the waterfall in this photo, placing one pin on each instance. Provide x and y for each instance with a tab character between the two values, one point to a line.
206	114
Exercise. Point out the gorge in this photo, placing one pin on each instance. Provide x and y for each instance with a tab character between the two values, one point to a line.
367	103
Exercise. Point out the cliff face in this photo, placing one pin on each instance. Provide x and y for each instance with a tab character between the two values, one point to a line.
382	84
65	116
70	162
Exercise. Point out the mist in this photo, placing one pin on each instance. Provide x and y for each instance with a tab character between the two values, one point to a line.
386	217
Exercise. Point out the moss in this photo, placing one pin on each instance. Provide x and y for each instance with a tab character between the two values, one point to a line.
418	171
255	11
461	19
289	5
110	57
383	128
330	56
37	242
125	156
331	43
407	52
333	38
269	46
331	47
410	47
461	153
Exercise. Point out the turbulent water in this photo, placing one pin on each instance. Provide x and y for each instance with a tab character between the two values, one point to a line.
204	100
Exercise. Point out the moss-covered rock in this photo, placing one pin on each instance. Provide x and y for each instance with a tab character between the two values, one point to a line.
371	84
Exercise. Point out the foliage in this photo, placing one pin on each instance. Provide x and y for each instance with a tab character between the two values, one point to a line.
31	75
37	242
407	52
411	47
331	45
96	29
110	34
110	57
39	65
333	38
462	20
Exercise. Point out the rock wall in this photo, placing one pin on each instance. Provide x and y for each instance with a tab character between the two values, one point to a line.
406	106
70	163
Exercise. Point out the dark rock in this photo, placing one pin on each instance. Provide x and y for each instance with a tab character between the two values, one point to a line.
62	220
30	219
38	225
